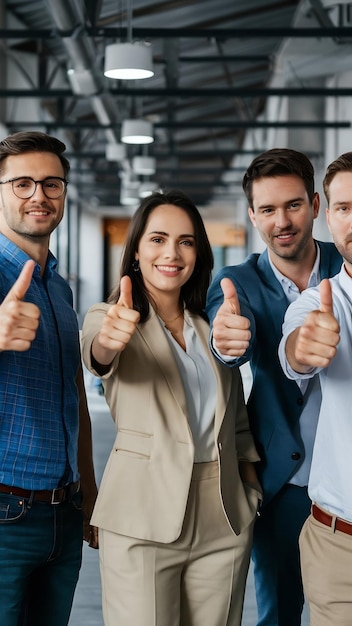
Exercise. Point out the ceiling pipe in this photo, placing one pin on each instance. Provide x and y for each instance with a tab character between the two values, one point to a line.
219	34
82	54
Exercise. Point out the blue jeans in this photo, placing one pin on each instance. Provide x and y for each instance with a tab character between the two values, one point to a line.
40	559
275	554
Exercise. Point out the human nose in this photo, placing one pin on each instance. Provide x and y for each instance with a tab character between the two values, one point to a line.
38	193
172	250
282	218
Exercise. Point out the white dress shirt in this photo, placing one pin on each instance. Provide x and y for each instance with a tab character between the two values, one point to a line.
331	471
312	394
200	388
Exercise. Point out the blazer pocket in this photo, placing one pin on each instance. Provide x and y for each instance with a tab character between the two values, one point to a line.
133	444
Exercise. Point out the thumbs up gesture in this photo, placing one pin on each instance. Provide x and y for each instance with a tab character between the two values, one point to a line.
118	325
314	343
19	320
231	332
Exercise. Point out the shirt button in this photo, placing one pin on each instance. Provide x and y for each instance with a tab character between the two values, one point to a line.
295	456
299	401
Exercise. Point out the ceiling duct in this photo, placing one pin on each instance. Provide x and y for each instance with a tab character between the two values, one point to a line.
83	74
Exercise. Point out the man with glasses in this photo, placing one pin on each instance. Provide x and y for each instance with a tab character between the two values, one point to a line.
47	486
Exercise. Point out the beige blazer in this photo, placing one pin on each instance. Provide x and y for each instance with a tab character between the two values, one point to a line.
145	485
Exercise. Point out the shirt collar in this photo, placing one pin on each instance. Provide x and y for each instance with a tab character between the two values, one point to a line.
17	257
345	281
287	284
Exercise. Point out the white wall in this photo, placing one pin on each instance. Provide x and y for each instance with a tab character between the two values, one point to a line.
90	262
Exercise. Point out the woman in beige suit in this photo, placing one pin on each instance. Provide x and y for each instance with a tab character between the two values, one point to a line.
179	494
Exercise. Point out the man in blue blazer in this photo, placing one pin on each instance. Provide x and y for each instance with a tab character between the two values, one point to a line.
246	305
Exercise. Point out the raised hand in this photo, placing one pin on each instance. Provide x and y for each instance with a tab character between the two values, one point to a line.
19	320
231	332
118	326
315	342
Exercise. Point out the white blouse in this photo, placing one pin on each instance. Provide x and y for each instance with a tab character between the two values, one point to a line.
200	388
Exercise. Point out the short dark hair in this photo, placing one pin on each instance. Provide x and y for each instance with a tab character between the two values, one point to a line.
33	141
279	162
193	293
343	163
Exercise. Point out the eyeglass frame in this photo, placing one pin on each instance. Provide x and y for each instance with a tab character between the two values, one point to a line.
13	180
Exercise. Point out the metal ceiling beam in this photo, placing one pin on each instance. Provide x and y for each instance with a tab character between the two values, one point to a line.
220	58
182	125
184	92
185	154
183	33
179	154
214	171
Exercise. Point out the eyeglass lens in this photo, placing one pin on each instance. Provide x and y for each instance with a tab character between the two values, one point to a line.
25	187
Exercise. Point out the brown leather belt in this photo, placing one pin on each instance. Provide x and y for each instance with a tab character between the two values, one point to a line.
336	523
53	496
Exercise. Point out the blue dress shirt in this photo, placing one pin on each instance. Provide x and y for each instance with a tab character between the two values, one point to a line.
39	398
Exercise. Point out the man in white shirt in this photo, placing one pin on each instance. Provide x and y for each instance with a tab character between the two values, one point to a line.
317	338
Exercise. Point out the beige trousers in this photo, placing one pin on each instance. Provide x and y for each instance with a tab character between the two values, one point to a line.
326	561
199	580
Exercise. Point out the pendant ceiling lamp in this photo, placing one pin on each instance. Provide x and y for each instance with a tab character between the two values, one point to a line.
137	132
131	60
115	152
144	165
146	189
129	192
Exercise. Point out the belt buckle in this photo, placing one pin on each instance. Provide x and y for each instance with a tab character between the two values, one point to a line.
53	496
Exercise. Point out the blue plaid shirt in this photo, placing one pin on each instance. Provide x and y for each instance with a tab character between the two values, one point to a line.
39	398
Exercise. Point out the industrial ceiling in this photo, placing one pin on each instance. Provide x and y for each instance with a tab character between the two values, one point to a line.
213	60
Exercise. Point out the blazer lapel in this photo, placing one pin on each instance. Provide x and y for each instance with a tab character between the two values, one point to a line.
158	344
222	373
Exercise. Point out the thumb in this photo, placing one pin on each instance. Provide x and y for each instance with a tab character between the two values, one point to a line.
326	297
125	298
230	296
21	286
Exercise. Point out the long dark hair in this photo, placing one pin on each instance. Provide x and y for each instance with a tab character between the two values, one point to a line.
193	292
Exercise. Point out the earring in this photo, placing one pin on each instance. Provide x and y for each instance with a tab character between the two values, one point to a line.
135	265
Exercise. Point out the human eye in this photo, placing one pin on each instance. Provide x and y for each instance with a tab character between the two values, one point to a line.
267	210
157	240
52	183
22	183
187	242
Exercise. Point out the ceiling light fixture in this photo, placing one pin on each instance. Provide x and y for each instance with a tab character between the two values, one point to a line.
129	193
128	61
144	165
137	132
146	189
115	152
131	60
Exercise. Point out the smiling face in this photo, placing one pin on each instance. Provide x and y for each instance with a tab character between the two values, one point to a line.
283	216
167	251
339	215
35	218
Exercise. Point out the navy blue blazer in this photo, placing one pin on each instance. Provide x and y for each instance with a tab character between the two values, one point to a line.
275	403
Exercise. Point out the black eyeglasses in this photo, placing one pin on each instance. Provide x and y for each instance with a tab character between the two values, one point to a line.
24	187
